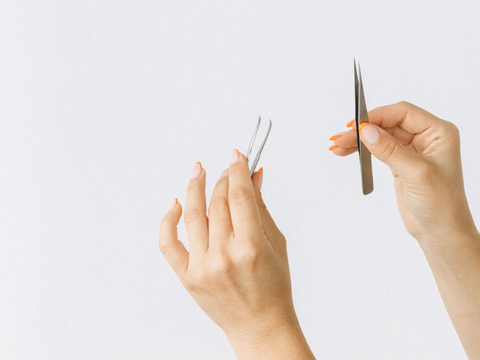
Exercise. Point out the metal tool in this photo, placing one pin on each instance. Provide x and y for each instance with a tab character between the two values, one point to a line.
361	115
249	151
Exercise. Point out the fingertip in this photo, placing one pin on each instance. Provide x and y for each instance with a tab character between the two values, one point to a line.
173	204
257	179
174	212
369	133
234	156
225	173
198	171
238	165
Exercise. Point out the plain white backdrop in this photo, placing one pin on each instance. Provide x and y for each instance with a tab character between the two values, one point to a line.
106	105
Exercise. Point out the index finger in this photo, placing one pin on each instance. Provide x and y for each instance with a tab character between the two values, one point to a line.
409	117
241	198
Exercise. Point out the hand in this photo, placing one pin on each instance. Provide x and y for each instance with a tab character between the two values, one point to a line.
236	268
423	153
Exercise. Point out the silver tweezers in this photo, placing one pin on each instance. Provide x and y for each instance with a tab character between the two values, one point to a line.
249	151
361	115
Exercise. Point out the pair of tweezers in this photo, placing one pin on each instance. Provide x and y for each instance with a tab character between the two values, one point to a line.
361	116
250	146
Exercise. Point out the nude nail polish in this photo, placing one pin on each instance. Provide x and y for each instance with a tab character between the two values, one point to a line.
174	203
234	156
225	172
196	170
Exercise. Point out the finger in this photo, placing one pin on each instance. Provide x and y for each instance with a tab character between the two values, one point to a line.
220	222
387	149
403	136
348	139
409	117
241	198
270	229
342	151
195	218
172	248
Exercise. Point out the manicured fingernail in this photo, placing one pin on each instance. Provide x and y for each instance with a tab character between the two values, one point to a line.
350	123
333	147
337	136
260	178
234	157
174	203
225	172
196	170
369	133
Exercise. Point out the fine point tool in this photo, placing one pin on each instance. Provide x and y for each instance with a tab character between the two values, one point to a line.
249	151
361	116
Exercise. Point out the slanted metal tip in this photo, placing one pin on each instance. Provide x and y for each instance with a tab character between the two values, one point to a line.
250	146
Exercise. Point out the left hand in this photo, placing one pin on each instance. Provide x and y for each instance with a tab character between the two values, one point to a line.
236	268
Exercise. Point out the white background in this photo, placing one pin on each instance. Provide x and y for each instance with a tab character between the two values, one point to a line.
106	105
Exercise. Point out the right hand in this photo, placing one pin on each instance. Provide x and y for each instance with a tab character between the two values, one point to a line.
423	153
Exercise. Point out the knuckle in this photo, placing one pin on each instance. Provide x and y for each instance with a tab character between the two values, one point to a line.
251	254
389	149
261	204
191	284
240	194
222	266
282	239
164	248
452	130
196	280
405	104
192	215
218	205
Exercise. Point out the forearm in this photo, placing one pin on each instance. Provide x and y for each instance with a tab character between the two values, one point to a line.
455	264
271	342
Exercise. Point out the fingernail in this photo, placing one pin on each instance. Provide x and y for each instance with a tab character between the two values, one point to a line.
225	172
196	170
174	203
369	133
333	147
260	178
337	136
234	157
350	123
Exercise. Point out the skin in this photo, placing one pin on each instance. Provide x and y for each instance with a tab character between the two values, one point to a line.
423	153
237	270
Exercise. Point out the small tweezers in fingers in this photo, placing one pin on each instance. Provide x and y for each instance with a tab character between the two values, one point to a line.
361	116
249	151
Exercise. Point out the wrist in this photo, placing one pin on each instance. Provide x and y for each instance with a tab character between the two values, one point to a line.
263	339
447	238
454	247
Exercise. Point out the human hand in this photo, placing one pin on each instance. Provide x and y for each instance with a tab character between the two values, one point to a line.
236	268
423	153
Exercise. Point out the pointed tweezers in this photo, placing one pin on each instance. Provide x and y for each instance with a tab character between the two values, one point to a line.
361	115
250	146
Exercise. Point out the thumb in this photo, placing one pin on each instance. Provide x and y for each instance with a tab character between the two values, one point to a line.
387	149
